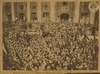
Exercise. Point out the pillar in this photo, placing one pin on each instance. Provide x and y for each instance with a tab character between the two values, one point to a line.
4	17
92	16
52	11
39	11
28	12
77	11
12	11
99	42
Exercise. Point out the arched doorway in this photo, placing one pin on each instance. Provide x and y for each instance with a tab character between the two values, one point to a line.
64	16
21	16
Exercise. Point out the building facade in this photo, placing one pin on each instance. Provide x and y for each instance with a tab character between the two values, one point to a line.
52	10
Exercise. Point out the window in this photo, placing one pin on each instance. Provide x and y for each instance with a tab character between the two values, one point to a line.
64	3
21	7
34	7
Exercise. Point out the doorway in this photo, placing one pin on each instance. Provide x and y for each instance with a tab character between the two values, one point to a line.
64	16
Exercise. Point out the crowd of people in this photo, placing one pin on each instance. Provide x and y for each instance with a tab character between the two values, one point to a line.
50	46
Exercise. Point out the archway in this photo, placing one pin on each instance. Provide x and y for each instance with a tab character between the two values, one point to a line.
64	16
21	16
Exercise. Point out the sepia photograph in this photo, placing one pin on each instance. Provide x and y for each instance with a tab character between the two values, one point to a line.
50	36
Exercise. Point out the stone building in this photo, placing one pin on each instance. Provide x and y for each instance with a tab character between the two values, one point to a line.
53	10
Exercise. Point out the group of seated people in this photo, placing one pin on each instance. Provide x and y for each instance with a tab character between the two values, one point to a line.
50	46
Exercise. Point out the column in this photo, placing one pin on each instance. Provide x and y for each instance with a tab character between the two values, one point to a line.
28	11
39	11
92	16
99	42
12	11
77	11
1	6
4	19
52	11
